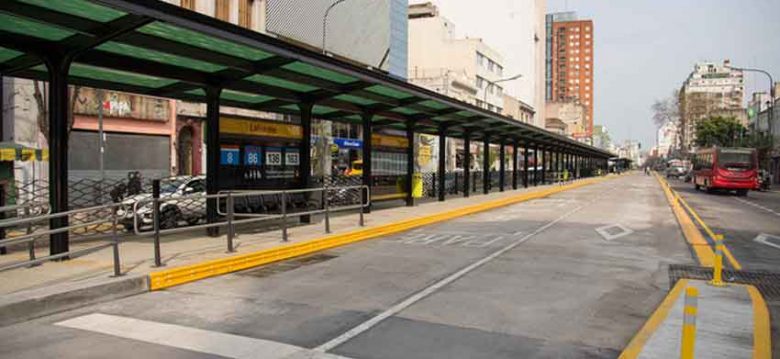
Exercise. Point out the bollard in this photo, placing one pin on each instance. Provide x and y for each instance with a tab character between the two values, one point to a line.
326	207
231	229
156	221
284	216
689	323
115	243
717	270
30	244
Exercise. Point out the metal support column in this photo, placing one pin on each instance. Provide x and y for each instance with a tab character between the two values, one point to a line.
409	162
367	119
212	155
515	170
544	159
525	165
442	161
466	163
304	162
501	164
58	67
486	164
537	157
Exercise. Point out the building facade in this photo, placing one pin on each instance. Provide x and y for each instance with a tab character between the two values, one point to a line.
519	110
711	89
569	63
667	139
571	113
438	60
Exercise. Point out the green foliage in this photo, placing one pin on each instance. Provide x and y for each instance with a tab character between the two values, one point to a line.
719	131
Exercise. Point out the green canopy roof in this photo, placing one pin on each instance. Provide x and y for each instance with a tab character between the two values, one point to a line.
158	49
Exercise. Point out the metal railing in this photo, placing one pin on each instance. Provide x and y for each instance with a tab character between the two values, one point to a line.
30	235
281	210
34	226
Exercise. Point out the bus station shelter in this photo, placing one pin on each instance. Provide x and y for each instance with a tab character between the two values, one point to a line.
154	48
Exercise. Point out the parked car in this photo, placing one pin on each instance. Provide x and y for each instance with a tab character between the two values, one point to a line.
190	209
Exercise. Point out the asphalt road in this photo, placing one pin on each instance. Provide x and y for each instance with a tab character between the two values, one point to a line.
570	276
751	229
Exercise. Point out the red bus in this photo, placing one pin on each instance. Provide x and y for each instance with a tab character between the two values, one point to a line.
726	168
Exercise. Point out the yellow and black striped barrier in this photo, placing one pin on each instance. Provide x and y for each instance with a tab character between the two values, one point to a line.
689	323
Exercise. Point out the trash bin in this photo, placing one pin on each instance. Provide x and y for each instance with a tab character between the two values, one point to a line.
417	185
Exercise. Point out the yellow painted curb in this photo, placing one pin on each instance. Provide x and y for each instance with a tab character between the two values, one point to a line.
188	273
693	236
762	342
638	341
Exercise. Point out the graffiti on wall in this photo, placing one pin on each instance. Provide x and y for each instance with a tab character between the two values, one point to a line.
122	105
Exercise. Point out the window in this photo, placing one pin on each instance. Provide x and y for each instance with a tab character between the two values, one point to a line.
491	65
587	36
188	4
480	59
222	10
500	70
245	13
480	82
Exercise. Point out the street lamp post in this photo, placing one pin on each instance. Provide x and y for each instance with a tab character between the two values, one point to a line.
484	96
771	108
325	22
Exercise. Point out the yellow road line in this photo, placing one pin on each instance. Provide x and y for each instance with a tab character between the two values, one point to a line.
762	343
733	261
638	341
188	273
693	236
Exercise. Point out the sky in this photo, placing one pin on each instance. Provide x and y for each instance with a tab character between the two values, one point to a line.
644	49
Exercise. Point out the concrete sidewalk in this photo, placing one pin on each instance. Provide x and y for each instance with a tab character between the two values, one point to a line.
731	322
85	279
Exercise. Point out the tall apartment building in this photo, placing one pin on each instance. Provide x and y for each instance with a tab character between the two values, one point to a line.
710	90
569	63
441	62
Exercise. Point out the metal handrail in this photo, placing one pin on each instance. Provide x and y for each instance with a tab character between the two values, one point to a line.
31	237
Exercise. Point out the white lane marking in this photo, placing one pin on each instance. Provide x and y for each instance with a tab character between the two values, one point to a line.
764	238
750	203
414	298
199	340
604	231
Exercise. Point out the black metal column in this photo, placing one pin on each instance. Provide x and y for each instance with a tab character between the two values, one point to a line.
501	164
544	160
442	161
526	149
304	162
466	163
58	68
515	170
537	157
367	119
212	155
409	162
486	164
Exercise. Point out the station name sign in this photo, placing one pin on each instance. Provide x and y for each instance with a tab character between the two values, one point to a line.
239	126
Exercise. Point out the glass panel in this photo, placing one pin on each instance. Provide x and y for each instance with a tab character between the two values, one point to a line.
355	99
321	110
405	110
196	92
102	74
382	90
207	42
8	54
80	8
243	96
157	56
310	70
433	104
21	26
273	81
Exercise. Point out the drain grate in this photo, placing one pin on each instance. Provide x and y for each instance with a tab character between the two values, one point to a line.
288	265
768	283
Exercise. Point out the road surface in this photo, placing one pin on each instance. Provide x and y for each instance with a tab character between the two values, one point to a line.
572	275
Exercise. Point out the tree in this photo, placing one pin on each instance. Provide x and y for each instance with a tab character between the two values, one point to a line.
41	103
719	131
666	110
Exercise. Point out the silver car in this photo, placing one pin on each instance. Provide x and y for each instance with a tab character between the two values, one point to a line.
180	201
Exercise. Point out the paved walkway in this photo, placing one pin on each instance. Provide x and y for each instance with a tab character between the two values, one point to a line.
192	247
